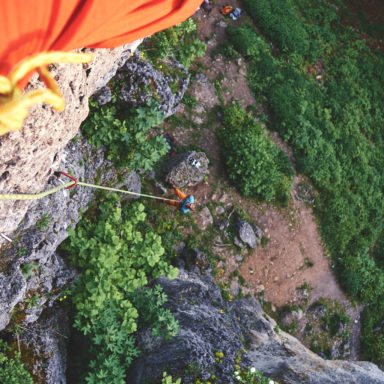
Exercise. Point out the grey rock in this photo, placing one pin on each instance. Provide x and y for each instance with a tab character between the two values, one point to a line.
29	156
222	224
290	317
151	174
12	291
234	288
238	242
205	218
258	232
103	96
161	187
62	209
209	324
139	76
131	183
48	337
238	257
246	233
194	260
187	169
219	210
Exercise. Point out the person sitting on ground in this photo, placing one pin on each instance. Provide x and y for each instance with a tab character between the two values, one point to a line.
186	203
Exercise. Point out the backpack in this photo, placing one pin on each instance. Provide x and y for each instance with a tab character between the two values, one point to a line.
227	10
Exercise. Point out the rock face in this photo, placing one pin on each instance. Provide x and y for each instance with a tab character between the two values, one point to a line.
208	325
48	340
33	274
187	169
28	156
44	228
142	82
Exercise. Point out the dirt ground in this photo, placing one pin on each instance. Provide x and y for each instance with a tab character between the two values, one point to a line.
295	254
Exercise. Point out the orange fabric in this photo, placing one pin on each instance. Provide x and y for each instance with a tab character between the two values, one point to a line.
32	26
180	194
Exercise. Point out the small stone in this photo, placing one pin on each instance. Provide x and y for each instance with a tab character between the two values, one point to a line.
238	257
238	242
287	276
206	218
276	278
219	210
273	308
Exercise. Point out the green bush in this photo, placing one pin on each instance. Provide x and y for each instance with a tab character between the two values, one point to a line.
254	164
332	115
280	23
117	254
180	42
12	371
124	133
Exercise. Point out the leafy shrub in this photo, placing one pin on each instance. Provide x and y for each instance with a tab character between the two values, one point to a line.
373	334
117	254
124	133
180	42
254	164
280	23
12	371
334	124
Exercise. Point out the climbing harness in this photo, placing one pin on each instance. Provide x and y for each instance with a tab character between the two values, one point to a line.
70	185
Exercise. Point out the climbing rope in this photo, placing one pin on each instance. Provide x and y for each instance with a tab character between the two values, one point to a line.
72	184
14	104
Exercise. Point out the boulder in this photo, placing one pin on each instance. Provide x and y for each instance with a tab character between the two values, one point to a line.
246	233
205	218
187	169
141	82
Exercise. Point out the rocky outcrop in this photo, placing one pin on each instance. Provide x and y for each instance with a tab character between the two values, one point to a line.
141	82
32	265
187	169
239	330
34	275
28	156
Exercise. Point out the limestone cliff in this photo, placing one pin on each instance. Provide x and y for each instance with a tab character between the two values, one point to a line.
28	156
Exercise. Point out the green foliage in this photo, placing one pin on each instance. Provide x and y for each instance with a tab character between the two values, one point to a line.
29	270
33	301
373	336
254	164
281	24
179	42
149	303
12	371
168	379
124	133
252	376
43	222
117	254
332	115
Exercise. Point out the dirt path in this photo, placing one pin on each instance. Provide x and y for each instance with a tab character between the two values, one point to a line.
295	256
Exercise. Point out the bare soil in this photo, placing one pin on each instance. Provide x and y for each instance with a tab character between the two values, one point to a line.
295	254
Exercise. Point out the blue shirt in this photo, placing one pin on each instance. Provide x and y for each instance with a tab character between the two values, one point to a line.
188	199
